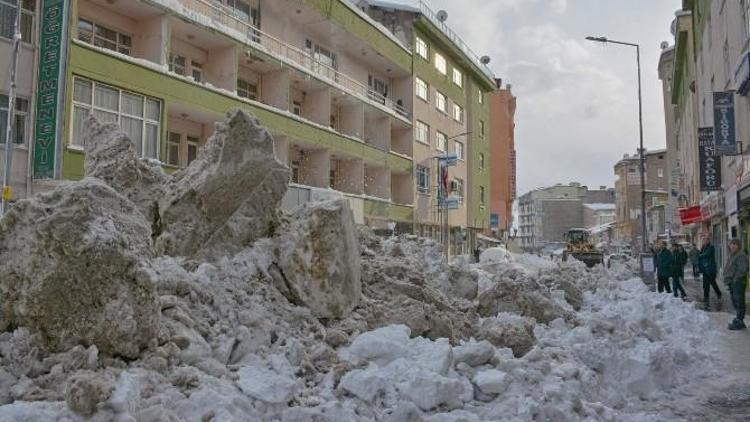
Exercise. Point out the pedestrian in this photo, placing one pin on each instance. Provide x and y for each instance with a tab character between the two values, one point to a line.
735	277
694	260
477	252
664	264
678	270
707	266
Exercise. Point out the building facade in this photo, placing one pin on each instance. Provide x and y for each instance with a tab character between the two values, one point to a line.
502	159
628	227
338	91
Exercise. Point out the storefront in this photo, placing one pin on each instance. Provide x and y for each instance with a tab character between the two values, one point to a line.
714	224
743	214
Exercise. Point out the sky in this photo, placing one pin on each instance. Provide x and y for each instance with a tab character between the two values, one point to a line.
577	101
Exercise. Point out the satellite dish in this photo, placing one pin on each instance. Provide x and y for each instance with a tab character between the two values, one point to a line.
442	16
664	45
485	60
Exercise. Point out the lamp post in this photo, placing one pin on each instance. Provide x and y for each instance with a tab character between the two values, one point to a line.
5	191
443	164
641	150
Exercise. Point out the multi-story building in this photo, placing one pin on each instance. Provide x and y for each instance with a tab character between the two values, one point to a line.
451	117
502	159
545	215
629	207
711	54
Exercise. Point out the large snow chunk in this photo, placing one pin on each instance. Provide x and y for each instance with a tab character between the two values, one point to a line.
492	381
112	157
227	198
380	346
428	390
267	384
509	330
70	268
474	353
318	259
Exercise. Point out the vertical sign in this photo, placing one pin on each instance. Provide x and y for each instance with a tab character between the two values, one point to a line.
710	163
52	45
724	132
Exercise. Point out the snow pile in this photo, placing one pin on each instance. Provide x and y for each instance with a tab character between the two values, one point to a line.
134	295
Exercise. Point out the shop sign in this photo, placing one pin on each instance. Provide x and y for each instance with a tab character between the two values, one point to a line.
712	206
724	128
690	215
710	163
730	200
494	220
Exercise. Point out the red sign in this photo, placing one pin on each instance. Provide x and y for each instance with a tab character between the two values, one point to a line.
690	215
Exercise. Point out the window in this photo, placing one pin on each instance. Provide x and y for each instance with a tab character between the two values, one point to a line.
481	195
177	64
297	108
137	115
423	90
422	132
423	179
481	161
378	88
101	36
442	141
173	148
440	102
440	64
458	113
422	49
8	10
294	176
243	11
197	71
458	190
480	96
20	127
459	150
747	17
323	58
458	77
661	172
248	90
481	129
192	148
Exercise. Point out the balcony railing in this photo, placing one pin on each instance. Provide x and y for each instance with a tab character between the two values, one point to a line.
223	18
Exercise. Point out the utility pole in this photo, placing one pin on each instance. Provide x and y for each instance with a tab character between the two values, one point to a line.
7	193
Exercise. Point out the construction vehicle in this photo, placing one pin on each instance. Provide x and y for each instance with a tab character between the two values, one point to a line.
579	246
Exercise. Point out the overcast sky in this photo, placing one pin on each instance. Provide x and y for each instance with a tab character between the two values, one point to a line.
577	100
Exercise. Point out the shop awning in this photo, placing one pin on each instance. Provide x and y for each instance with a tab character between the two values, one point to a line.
690	215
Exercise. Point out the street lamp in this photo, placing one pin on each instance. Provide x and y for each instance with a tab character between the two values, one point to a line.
641	150
443	164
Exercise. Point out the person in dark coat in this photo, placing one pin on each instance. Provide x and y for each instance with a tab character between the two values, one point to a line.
694	255
678	270
664	267
735	277
707	265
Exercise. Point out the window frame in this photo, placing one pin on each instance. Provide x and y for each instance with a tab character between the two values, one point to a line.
441	138
93	36
481	161
146	121
171	142
482	129
423	174
417	82
423	53
460	185
196	67
480	96
458	113
459	146
240	90
420	126
481	196
458	78
438	97
30	15
22	112
173	64
441	64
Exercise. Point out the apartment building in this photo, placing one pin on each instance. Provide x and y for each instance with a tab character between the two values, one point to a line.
628	227
451	117
502	159
333	87
25	87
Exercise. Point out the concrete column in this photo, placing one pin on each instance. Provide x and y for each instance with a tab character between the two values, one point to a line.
317	106
351	176
378	182
315	167
274	88
378	132
402	188
221	68
353	120
151	43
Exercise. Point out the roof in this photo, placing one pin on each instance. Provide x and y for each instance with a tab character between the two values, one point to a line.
600	206
408	5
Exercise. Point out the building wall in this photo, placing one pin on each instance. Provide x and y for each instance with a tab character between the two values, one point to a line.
502	146
558	216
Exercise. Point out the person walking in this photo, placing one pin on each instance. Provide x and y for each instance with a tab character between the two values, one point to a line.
693	255
678	270
664	267
707	266
735	277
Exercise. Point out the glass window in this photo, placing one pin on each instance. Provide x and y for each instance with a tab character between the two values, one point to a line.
480	96
458	189
423	179
422	132
192	148
8	10
458	113
481	195
440	102
422	49
173	148
247	89
20	119
481	161
101	36
459	150
481	129
423	90
177	64
197	71
458	77
440	64
137	115
442	141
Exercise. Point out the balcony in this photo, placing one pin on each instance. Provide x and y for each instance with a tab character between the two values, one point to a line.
214	15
